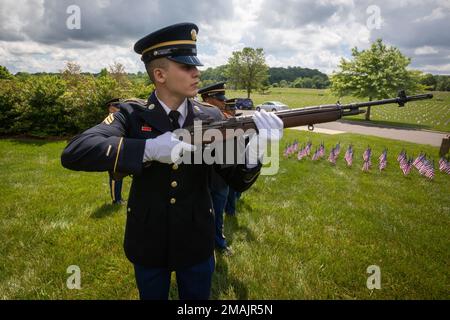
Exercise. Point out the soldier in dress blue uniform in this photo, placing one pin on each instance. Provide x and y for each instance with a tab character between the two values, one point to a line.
215	95
170	221
115	183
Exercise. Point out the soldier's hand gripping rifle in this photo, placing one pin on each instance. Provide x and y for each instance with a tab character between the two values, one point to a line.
302	116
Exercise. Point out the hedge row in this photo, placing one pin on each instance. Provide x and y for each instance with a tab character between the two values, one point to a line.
52	105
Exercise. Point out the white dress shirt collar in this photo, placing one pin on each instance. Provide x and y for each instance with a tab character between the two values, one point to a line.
182	109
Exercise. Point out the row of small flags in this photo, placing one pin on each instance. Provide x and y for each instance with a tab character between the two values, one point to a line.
424	165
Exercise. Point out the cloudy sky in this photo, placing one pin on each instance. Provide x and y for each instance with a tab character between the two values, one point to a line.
34	34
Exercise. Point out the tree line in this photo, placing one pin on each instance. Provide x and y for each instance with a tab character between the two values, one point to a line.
290	77
65	103
62	104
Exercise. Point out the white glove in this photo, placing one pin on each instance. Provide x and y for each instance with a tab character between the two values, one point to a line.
166	148
270	128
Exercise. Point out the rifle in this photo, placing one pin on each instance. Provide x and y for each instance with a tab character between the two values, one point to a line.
303	116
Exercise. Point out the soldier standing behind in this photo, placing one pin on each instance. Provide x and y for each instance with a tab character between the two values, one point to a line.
215	96
115	182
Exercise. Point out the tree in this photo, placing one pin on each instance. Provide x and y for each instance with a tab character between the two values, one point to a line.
376	73
71	72
214	74
103	73
283	84
247	69
429	81
117	72
4	73
290	74
265	85
443	83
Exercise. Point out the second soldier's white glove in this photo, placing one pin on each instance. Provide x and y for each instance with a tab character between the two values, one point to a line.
166	148
270	129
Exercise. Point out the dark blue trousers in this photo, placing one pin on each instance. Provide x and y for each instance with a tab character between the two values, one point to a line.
194	283
233	196
219	199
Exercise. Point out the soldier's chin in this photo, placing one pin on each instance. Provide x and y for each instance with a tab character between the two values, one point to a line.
192	92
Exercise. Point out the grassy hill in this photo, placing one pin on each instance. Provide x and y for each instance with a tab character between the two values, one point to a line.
428	114
308	232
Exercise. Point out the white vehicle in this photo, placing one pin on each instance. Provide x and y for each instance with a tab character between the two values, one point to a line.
272	106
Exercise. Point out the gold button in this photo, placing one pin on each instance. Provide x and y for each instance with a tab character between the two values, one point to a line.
175	166
173	200
174	184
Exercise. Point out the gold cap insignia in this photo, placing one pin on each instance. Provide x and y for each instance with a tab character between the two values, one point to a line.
194	35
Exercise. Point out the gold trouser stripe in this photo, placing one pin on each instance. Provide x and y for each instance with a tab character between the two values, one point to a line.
117	155
168	43
113	191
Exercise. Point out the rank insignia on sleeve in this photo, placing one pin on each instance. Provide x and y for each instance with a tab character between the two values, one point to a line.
109	119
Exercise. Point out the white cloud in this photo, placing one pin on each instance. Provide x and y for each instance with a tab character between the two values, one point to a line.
307	33
437	13
445	68
425	50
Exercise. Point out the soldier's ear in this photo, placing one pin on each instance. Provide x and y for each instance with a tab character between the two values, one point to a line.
159	75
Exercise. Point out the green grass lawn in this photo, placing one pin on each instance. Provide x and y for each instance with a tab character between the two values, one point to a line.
308	232
427	114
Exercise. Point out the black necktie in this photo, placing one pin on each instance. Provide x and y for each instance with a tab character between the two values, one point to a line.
174	115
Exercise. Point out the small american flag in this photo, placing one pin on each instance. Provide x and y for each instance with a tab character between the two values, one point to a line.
367	154
427	169
337	149
321	150
418	161
349	156
366	157
295	146
406	166
332	157
316	155
302	153
286	151
401	156
308	148
289	150
366	166
444	165
383	160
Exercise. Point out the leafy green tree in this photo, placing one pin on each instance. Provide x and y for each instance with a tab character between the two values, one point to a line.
4	73
265	85
103	72
117	72
214	75
247	69
37	107
283	84
443	83
376	73
429	81
290	74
